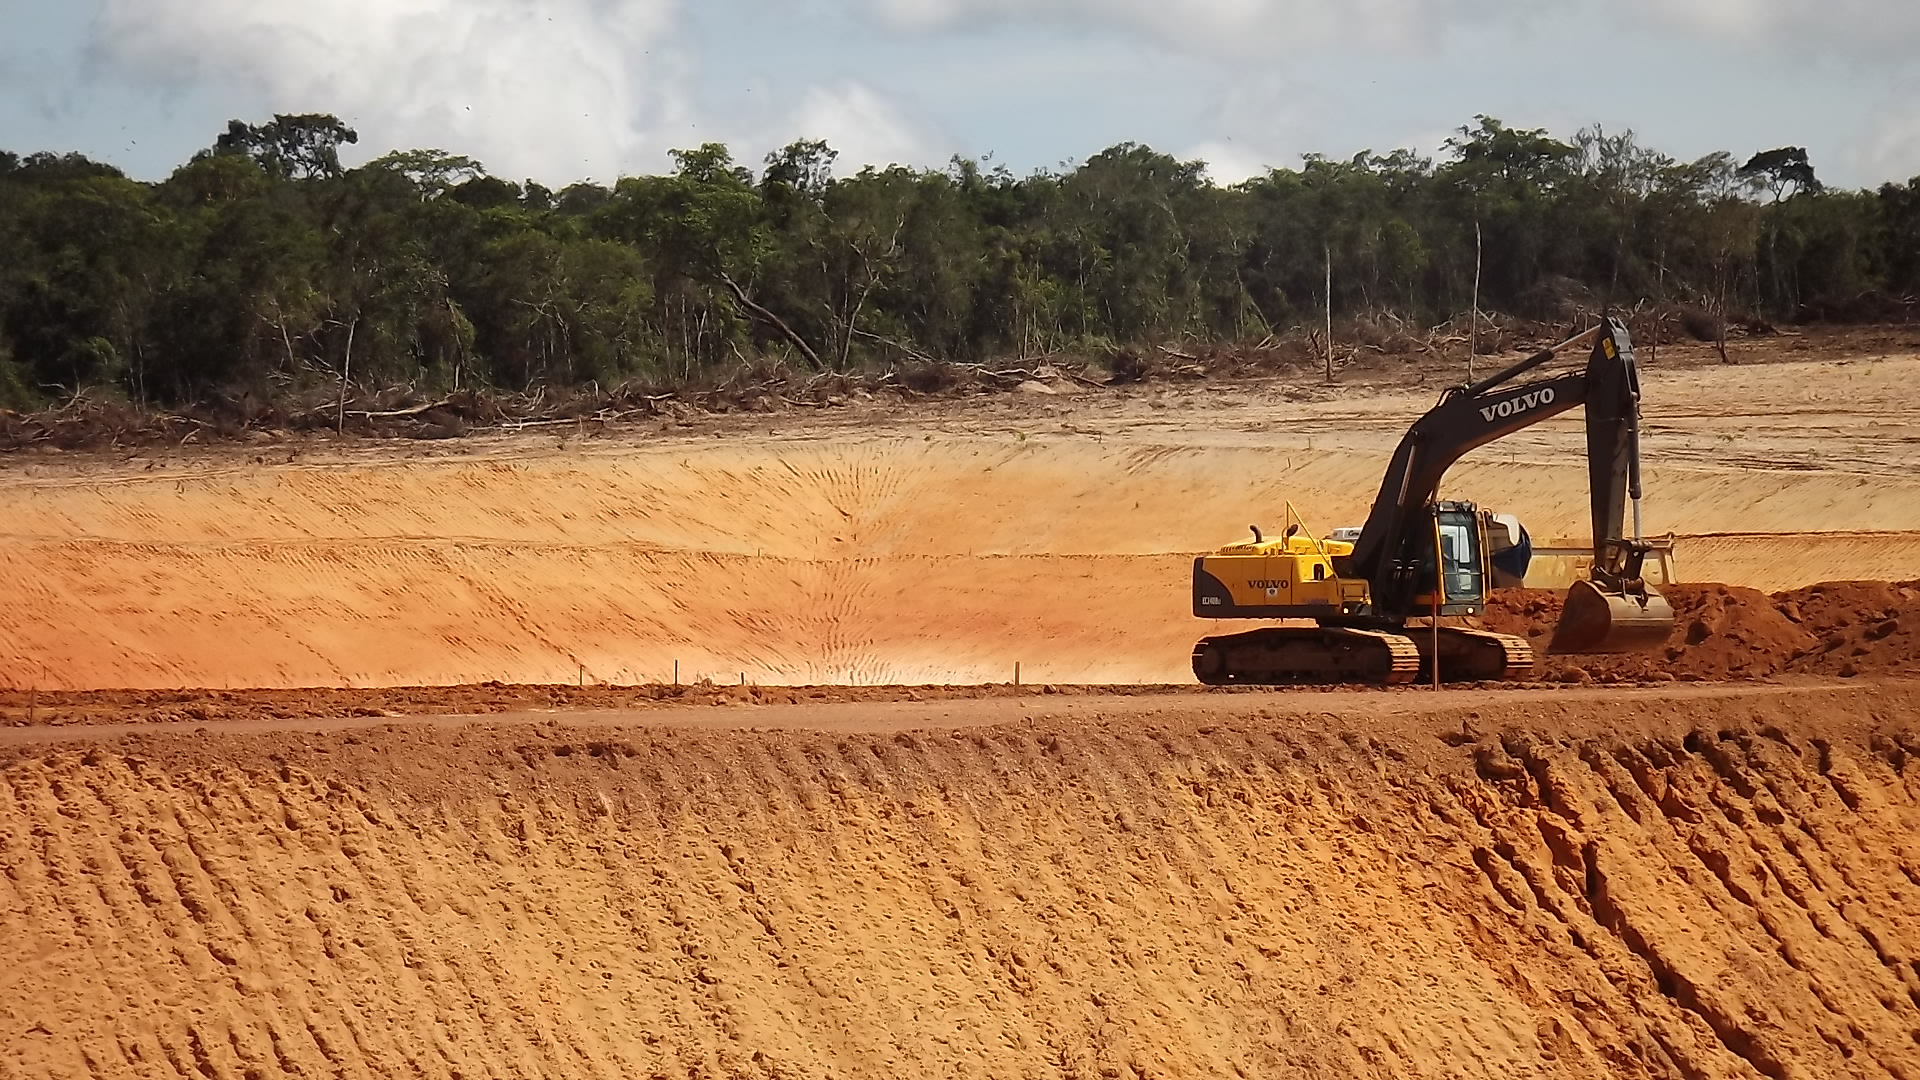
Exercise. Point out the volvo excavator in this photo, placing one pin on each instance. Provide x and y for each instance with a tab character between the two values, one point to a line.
1380	600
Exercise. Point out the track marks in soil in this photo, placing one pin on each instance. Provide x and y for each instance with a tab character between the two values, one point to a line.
1189	897
373	615
1727	873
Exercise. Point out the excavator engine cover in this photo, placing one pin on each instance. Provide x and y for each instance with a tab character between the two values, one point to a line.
1597	621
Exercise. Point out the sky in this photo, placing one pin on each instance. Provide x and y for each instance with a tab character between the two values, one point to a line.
565	90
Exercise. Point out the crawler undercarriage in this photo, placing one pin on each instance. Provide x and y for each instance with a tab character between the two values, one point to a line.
1280	656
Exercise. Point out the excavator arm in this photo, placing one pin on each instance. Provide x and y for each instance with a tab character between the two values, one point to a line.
1614	610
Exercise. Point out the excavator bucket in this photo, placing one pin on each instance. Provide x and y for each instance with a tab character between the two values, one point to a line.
1597	621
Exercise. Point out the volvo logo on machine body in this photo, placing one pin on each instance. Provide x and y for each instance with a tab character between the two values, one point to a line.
1514	406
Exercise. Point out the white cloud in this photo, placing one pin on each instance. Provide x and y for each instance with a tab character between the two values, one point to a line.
556	90
1886	29
866	128
1228	162
1242	27
1264	121
1879	29
1890	146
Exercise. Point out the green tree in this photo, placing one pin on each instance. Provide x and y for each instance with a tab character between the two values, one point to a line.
432	172
265	267
306	146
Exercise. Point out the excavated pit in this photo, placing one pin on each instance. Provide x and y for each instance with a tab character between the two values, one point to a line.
1717	884
934	559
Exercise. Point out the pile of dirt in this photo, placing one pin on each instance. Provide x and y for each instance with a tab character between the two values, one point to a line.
1863	627
1844	629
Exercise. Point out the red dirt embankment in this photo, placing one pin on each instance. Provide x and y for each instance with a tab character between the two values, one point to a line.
1549	888
1843	629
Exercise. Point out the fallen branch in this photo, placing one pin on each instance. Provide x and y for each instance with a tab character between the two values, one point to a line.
395	414
1007	374
521	425
907	350
781	324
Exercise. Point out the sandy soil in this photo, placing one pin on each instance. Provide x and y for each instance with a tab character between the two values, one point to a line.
939	546
1689	882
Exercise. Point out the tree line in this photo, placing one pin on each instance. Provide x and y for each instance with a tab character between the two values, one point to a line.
264	266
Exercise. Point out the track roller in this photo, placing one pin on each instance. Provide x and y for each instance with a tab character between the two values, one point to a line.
1305	656
1469	655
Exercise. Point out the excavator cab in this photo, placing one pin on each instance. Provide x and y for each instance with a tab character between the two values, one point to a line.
1461	573
1461	553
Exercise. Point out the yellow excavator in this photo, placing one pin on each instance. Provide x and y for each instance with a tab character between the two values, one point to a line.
1386	601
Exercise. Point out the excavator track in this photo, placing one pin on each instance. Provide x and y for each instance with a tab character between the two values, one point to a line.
1469	655
1308	655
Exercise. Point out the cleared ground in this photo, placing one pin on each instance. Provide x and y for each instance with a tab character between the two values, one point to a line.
342	872
1054	532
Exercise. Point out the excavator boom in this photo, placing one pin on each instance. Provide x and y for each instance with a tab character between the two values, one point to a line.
1611	611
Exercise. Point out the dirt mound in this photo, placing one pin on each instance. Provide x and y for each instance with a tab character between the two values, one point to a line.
1550	892
1863	627
1726	632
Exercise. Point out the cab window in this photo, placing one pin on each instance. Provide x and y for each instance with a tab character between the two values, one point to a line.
1459	562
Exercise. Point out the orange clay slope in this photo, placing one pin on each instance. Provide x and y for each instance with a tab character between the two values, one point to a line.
1694	882
843	556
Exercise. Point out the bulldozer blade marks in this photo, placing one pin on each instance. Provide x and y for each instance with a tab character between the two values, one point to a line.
1596	622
